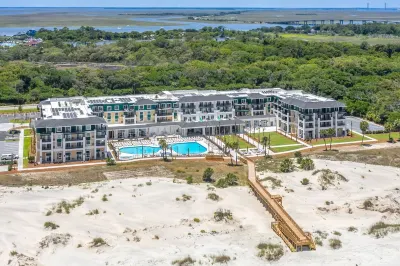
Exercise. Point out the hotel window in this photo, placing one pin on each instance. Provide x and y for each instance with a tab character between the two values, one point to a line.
116	117
109	108
243	101
59	129
148	107
141	116
125	107
109	116
116	108
148	116
236	101
100	108
141	107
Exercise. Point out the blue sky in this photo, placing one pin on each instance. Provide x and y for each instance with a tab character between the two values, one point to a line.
202	3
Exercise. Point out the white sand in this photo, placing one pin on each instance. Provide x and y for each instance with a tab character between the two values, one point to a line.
154	211
357	248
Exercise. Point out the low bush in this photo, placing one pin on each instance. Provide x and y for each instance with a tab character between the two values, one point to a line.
221	214
93	212
270	252
196	220
50	225
286	166
228	181
305	181
213	196
352	229
221	259
104	198
335	243
189	179
98	242
381	229
184	262
307	164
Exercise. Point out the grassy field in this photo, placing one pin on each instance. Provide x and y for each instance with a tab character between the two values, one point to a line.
19	121
286	148
282	15
28	132
348	39
355	137
276	138
74	19
15	110
384	136
243	144
388	156
179	169
27	148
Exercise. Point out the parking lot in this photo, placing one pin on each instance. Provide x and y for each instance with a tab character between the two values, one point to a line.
6	118
7	147
354	123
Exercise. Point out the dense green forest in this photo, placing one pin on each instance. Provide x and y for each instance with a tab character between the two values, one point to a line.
366	78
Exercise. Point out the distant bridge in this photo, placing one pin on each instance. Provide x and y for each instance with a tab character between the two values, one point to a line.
314	22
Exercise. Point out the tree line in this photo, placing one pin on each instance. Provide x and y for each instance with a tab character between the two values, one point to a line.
366	78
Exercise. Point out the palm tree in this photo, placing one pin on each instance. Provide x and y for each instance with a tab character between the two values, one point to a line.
163	145
331	132
389	127
364	126
229	145
235	146
397	126
324	133
264	142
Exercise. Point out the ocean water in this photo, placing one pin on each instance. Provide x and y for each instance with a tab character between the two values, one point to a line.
91	11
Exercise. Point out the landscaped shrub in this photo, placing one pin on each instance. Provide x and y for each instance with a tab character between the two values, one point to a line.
189	179
229	180
307	164
286	166
207	175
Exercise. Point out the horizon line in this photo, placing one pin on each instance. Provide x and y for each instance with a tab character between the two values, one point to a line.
210	7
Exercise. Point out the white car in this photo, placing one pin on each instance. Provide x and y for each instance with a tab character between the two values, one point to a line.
9	157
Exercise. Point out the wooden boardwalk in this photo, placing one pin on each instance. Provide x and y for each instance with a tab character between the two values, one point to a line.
291	233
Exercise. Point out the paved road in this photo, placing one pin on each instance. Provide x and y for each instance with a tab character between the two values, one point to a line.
354	123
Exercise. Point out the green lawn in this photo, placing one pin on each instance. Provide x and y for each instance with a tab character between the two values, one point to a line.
348	39
243	144
19	121
276	138
355	137
15	110
27	132
384	136
286	148
27	147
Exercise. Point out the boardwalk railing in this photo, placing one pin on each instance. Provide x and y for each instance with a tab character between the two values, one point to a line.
284	226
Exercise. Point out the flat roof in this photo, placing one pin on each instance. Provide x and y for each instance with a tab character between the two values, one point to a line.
92	120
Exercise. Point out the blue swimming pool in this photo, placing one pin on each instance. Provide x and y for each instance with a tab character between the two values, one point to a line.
180	148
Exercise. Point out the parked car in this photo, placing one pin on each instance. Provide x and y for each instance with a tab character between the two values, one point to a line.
14	132
9	157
